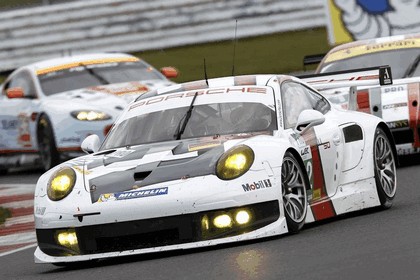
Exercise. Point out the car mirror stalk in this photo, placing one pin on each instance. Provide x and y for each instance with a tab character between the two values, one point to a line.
308	119
91	144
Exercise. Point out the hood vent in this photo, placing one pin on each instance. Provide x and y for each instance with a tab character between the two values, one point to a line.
140	176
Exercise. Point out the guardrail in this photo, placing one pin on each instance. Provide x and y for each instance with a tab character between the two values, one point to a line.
32	34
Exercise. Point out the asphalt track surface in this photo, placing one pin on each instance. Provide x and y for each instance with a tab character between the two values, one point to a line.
372	244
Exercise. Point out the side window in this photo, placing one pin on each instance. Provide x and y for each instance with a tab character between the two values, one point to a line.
23	80
296	98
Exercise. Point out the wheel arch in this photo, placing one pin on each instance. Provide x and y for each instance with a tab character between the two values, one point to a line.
297	156
45	114
49	154
388	133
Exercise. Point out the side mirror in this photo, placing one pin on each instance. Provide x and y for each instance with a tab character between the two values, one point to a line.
308	119
169	72
91	144
16	92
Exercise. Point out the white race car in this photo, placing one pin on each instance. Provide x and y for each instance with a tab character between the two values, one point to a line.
397	104
211	162
48	108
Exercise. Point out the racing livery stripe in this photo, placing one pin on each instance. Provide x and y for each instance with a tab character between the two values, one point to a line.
324	209
414	114
87	62
359	50
363	102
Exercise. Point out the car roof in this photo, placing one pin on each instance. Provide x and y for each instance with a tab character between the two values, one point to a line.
69	61
244	80
362	47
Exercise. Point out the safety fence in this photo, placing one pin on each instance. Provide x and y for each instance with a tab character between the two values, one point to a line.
31	34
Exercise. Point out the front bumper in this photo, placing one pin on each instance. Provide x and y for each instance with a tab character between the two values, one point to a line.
160	234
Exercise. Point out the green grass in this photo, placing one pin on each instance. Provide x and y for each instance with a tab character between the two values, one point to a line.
4	214
6	4
277	53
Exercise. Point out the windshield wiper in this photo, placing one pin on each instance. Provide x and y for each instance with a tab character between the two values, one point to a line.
412	67
101	79
182	124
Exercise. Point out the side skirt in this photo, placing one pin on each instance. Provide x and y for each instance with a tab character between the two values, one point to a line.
352	197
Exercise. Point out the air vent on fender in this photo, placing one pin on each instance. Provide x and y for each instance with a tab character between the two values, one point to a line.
352	133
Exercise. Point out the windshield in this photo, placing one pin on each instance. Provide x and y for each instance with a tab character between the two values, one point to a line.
84	76
205	120
399	60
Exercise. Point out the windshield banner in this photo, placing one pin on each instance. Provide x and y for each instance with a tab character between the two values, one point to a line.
258	94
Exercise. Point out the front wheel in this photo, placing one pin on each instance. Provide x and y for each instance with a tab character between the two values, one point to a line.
46	144
294	185
385	168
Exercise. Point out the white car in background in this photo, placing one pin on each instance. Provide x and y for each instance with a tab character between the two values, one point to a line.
49	107
397	104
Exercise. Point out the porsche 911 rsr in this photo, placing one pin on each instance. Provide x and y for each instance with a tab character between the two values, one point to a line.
211	162
397	104
49	107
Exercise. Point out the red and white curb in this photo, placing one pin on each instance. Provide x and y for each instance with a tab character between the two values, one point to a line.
18	231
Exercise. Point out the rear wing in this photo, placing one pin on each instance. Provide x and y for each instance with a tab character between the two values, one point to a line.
373	76
348	81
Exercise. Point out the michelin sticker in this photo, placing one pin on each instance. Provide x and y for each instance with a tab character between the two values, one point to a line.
132	194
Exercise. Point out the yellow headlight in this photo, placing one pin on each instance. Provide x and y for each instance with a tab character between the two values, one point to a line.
242	217
234	162
82	116
68	238
61	183
90	115
222	221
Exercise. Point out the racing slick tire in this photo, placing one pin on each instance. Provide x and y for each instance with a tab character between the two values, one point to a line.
294	185
46	144
385	168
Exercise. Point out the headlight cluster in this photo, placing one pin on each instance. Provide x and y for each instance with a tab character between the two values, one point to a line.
61	183
235	162
226	221
87	115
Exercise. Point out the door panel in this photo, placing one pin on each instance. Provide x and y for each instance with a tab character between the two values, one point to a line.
321	146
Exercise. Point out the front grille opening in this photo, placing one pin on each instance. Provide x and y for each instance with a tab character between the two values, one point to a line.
156	232
137	241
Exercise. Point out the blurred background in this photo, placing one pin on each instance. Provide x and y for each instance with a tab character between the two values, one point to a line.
272	36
